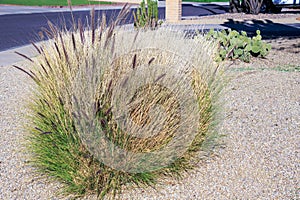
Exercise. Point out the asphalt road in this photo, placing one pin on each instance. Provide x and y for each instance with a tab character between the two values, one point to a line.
19	29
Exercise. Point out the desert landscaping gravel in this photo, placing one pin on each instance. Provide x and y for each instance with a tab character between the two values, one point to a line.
259	157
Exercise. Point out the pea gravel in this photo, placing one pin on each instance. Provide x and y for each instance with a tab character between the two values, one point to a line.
259	159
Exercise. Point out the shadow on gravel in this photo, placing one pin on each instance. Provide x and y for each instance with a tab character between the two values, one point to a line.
268	29
288	44
295	48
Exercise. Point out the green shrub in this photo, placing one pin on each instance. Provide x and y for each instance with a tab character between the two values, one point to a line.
235	45
147	16
85	78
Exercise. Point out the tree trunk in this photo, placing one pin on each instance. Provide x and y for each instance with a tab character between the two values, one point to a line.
259	6
235	6
253	6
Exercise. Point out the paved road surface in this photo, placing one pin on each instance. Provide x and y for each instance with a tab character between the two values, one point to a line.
18	29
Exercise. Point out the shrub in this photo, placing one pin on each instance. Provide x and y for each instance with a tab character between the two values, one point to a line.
235	45
253	6
147	16
92	84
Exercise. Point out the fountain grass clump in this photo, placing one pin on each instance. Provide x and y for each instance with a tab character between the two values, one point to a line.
85	78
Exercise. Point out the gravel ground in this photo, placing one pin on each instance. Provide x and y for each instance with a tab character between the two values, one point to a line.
17	178
260	158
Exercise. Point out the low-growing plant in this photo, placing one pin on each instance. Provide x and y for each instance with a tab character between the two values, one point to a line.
146	16
109	101
235	45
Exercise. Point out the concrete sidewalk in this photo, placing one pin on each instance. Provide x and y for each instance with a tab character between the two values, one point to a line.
9	57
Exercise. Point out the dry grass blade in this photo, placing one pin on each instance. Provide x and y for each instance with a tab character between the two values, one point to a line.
48	33
93	24
151	60
73	42
41	115
53	29
134	39
108	111
110	34
230	52
41	35
81	31
28	73
109	86
57	50
46	133
24	56
46	59
159	78
36	47
102	25
42	132
125	82
64	49
134	61
135	19
44	69
123	14
113	40
39	129
73	20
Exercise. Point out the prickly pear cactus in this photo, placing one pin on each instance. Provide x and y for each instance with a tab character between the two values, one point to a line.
235	45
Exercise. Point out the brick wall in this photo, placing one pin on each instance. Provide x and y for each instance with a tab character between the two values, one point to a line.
173	11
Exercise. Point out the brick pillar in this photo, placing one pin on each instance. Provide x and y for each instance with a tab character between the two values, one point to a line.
173	11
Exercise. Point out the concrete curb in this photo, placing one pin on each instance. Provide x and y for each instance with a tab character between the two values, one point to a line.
9	57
